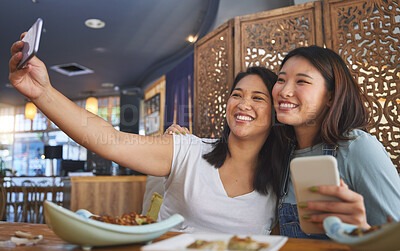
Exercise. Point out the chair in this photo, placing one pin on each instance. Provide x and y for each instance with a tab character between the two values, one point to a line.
44	191
3	202
13	202
57	192
29	201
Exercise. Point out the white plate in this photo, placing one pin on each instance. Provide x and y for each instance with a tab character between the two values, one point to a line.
387	238
78	228
180	242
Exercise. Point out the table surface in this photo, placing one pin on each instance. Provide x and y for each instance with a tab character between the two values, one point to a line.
52	242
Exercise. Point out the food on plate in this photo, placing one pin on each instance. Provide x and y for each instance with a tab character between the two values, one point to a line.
130	219
360	231
207	245
235	243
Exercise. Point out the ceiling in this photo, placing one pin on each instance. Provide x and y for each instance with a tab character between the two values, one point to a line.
141	40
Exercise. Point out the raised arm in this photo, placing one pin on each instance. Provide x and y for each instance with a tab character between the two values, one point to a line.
150	155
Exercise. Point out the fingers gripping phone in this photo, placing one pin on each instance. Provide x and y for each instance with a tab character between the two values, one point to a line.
31	43
313	171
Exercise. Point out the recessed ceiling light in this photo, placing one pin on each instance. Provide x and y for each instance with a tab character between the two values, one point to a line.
191	38
100	49
95	23
107	85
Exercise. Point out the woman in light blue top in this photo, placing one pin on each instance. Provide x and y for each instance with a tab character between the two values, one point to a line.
324	112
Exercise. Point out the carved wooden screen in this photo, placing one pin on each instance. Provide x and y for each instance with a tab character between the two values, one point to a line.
366	33
213	74
264	38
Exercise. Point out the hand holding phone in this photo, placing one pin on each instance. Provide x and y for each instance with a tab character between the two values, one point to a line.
31	43
313	171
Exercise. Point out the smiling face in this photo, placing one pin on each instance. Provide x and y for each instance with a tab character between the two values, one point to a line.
300	95
249	108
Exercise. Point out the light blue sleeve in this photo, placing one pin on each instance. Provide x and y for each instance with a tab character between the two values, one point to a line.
372	174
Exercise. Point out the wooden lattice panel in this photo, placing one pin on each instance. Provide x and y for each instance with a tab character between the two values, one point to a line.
265	38
213	78
367	35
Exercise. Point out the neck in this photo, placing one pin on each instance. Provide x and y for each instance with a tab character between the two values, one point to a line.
305	136
244	152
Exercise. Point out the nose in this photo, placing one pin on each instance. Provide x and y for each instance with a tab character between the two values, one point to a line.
244	104
286	90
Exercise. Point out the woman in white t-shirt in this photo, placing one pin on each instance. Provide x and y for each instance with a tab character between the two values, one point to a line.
243	179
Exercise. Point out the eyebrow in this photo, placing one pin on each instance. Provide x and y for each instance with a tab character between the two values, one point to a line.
298	74
255	92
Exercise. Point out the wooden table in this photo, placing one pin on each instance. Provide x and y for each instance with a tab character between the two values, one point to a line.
52	242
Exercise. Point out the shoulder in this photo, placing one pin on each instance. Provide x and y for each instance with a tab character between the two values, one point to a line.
191	141
362	142
363	150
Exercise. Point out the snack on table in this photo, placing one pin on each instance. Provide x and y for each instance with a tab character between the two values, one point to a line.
360	231
131	219
235	243
208	245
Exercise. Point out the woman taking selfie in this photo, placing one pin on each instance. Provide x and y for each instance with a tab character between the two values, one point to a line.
239	196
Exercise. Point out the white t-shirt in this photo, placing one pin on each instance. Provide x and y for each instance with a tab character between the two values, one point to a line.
194	190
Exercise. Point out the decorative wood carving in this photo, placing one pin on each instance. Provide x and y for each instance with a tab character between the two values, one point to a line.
213	78
366	34
265	38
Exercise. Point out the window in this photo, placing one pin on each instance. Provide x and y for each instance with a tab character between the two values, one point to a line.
22	141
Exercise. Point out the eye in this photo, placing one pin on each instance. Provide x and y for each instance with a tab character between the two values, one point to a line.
302	81
280	81
258	98
235	94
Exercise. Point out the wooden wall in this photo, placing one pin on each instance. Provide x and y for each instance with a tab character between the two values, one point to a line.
108	195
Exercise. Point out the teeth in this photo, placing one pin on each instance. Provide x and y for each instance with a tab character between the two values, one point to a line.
241	117
287	105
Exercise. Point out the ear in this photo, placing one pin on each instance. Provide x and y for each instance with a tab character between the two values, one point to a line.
330	99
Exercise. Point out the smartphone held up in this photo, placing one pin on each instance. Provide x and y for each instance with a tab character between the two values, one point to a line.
312	171
31	43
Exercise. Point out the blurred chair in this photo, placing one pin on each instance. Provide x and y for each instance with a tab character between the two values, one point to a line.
44	191
29	202
13	200
58	193
3	201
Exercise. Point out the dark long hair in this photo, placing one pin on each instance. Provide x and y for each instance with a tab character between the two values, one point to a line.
348	110
268	170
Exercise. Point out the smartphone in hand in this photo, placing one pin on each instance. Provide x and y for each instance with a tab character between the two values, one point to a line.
313	171
31	43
